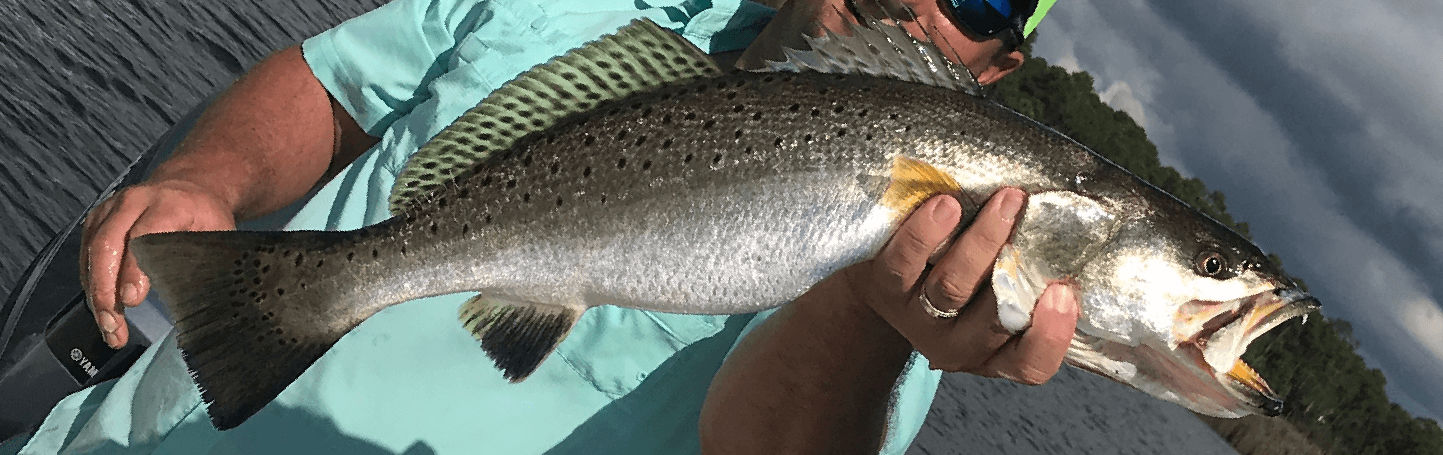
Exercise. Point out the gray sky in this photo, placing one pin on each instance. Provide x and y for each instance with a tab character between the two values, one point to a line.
1322	122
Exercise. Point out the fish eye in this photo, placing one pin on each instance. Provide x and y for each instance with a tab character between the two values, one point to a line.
1210	263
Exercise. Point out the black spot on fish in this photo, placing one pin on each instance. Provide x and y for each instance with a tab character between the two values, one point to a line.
816	112
794	107
687	158
266	269
558	201
511	183
666	143
732	96
621	163
837	110
739	134
691	116
280	292
299	259
645	165
465	228
640	140
621	135
586	172
756	116
708	124
841	132
555	168
351	256
375	253
588	140
777	143
716	159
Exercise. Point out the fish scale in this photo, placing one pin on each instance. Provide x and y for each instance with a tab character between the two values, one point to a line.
633	172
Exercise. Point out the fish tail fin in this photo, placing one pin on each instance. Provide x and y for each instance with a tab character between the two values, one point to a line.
252	310
518	335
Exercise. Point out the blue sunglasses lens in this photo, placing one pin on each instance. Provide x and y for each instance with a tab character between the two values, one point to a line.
983	17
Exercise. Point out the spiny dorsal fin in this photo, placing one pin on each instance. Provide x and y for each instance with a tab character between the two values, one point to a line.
879	49
517	335
637	58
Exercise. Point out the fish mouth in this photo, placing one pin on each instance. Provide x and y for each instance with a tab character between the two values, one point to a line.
1218	347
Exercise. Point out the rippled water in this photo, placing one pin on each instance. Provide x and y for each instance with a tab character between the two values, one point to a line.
85	86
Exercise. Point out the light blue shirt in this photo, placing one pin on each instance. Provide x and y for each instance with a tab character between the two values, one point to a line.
410	379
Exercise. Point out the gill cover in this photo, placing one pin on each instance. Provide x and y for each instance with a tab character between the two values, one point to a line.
1059	232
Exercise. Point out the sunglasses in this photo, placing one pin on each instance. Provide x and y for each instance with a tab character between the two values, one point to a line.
987	18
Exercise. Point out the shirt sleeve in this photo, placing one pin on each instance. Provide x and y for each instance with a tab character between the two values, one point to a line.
376	64
911	397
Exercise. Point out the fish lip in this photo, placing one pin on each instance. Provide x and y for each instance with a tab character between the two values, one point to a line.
1281	304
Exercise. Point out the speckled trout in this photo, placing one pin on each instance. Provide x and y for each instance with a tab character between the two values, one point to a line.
635	172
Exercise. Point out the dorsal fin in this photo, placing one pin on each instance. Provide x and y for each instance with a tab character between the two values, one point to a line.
637	58
876	48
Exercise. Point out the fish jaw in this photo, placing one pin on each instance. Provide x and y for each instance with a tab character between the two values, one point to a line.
1183	373
1218	348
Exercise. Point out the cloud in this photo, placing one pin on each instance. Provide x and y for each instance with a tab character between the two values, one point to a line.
1119	96
1321	129
1424	320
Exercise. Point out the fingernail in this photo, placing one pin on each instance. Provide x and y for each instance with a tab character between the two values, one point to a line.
945	210
1062	301
108	324
110	340
128	293
1011	205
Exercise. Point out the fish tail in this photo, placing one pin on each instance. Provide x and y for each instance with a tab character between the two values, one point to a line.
251	309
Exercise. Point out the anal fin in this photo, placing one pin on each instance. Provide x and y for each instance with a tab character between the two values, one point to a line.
517	335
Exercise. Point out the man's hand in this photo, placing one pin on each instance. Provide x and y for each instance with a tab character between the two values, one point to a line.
266	141
108	271
974	341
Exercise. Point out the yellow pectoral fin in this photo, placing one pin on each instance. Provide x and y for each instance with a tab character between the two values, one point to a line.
913	182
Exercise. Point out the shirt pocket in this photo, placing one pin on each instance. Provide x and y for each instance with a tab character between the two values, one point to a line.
616	348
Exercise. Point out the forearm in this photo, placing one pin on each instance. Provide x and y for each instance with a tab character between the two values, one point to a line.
266	140
816	377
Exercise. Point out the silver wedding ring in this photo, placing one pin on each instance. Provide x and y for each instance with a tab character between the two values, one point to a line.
932	310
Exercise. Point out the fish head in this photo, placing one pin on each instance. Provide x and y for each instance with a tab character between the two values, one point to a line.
1171	302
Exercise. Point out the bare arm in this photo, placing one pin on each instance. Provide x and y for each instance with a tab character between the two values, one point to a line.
265	142
817	376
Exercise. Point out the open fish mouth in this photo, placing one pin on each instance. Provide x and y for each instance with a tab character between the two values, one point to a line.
1219	345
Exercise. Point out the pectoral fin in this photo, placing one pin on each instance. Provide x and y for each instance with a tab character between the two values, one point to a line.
1057	235
518	335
